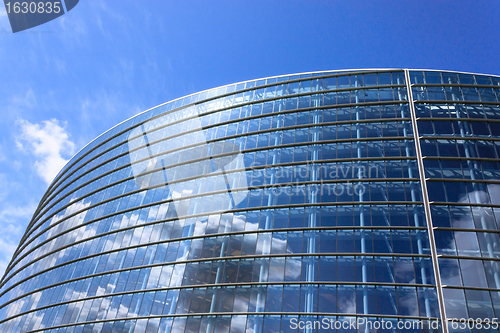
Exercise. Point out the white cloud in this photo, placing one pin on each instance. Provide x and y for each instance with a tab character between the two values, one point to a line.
7	252
10	215
48	142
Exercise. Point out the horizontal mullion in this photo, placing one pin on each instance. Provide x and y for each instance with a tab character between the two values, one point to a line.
480	120
454	102
493	231
459	138
446	256
448	158
444	203
465	180
458	85
472	288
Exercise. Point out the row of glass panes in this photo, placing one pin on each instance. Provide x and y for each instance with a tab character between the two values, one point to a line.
293	217
347	131
310	100
278	137
454	93
457	110
347	150
335	192
467	243
379	269
462	169
380	216
346	81
341	170
132	239
289	117
459	128
338	192
469	273
464	192
474	217
460	148
436	77
262	140
471	303
327	171
360	114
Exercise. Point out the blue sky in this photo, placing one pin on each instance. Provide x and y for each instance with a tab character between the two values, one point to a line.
67	81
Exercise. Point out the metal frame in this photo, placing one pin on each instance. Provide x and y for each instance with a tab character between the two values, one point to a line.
427	207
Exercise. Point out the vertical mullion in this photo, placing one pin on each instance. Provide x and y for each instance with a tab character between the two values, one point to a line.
427	207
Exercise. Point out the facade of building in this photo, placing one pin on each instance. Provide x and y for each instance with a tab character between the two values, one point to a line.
276	205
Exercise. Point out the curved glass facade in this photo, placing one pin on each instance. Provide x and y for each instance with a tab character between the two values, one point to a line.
295	203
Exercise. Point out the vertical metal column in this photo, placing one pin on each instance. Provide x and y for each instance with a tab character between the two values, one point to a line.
268	225
312	219
427	206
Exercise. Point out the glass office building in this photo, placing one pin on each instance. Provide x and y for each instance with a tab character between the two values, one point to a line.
284	204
